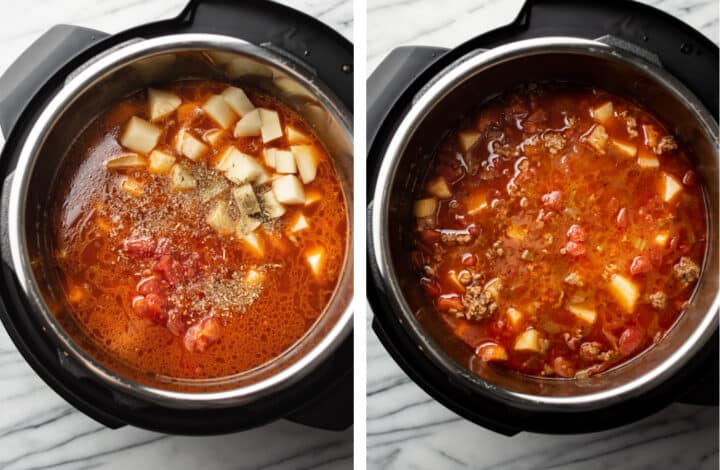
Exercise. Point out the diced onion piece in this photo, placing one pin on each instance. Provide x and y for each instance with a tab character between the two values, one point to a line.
528	341
246	225
647	159
269	157
219	111
191	146
425	207
514	317
300	224
238	100
161	103
598	138
516	232
271	128
626	149
491	352
662	238
306	160
285	162
132	186
468	139
219	219
181	179
312	196
625	292
249	126
439	188
295	137
245	199
315	259
213	136
239	167
603	113
140	135
160	162
253	242
670	187
288	190
128	161
271	207
584	314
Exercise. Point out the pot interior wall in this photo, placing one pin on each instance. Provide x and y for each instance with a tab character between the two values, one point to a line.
613	75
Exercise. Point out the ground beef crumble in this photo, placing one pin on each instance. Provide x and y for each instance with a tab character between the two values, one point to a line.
686	271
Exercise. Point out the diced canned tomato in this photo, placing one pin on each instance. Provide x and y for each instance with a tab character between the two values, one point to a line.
175	323
574	248
622	219
170	269
448	301
430	286
630	340
147	285
576	234
202	335
640	265
551	199
491	352
139	246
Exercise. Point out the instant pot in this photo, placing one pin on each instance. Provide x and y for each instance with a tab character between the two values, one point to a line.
417	93
62	82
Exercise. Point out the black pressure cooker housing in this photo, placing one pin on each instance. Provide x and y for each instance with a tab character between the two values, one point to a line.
684	52
323	398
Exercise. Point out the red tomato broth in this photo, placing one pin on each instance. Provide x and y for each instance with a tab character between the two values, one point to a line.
572	210
100	271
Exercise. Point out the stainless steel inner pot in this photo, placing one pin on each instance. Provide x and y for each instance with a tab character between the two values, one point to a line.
118	72
438	106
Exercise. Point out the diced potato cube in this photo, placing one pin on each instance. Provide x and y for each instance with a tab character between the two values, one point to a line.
191	146
491	352
285	162
312	196
468	139
439	188
650	135
238	100
239	167
662	238
245	199
213	136
246	224
306	160
271	128
160	162
244	67
516	232
598	138
161	103
625	292
603	113
288	190
315	259
425	207
647	159
295	137
221	57
528	341
620	147
181	178
670	187
300	224
132	186
127	161
253	242
249	126
514	317
219	111
271	207
584	314
269	157
140	135
219	219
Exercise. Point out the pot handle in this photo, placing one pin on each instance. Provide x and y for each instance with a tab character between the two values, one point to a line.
629	47
22	80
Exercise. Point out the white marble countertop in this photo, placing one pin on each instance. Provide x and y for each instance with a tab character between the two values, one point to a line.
38	429
408	429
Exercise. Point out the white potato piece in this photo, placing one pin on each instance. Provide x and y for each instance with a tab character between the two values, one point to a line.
221	57
249	126
306	159
213	136
598	138
140	135
126	161
620	147
468	139
238	167
316	258
161	103
219	111
528	341
245	199
650	135
603	113
243	67
271	207
514	317
238	100
271	128
439	188
246	225
585	314
254	244
191	146
181	179
670	187
220	220
300	224
425	207
295	137
647	159
285	162
132	186
288	190
269	157
625	292
160	162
